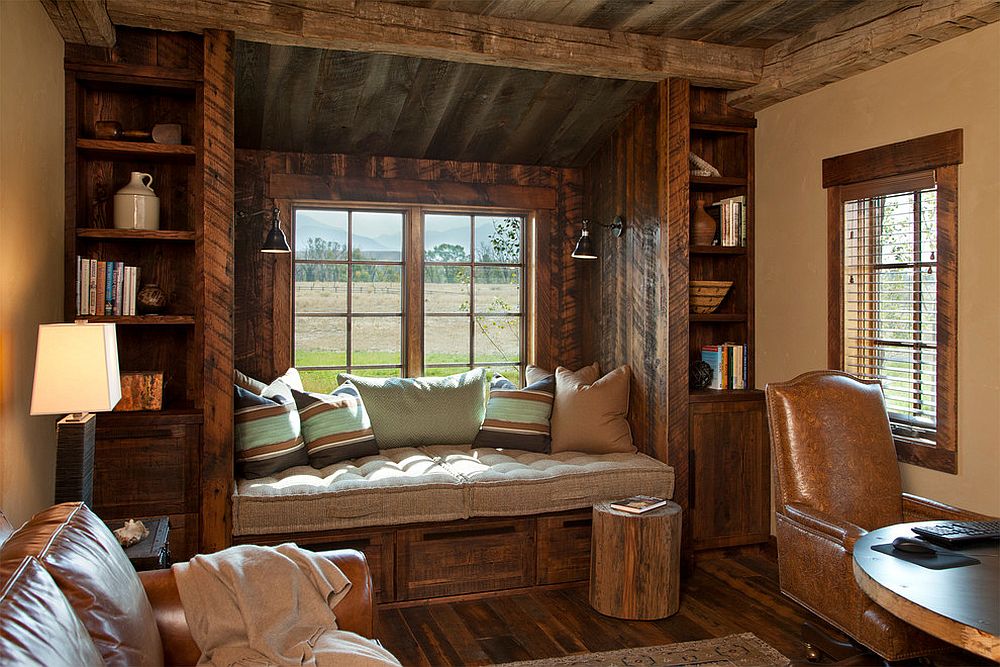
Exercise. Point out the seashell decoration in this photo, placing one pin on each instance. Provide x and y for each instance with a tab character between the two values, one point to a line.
700	167
131	533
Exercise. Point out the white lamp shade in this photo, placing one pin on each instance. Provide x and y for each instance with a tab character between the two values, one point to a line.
76	369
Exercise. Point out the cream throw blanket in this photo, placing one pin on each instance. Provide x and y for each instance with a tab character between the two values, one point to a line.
256	606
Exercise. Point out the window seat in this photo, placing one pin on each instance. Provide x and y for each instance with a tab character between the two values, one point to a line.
438	484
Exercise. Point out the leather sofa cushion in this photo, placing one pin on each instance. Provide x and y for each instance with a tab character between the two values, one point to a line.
37	623
92	571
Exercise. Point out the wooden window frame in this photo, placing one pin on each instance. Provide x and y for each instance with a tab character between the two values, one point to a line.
941	153
412	265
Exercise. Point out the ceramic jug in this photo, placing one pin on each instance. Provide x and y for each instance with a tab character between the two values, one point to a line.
136	205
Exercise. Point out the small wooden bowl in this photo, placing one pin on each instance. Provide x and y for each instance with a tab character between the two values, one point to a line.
704	296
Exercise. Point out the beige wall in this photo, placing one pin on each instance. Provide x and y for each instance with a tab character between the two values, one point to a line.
31	243
952	85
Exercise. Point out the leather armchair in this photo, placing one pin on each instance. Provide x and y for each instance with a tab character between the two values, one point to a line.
837	478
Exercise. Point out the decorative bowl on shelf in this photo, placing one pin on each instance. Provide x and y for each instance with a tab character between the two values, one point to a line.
704	296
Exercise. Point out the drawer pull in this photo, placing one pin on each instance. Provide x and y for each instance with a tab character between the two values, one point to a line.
578	523
471	532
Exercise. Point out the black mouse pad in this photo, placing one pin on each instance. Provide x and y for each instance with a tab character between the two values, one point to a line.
941	559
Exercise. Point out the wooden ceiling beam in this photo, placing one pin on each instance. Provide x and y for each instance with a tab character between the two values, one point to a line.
377	27
857	41
81	21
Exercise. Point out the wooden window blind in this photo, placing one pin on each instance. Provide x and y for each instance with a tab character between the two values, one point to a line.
890	297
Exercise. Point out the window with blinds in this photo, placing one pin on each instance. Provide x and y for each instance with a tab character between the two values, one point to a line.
892	215
890	296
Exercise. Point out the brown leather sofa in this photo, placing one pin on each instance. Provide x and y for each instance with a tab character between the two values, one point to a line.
69	596
837	478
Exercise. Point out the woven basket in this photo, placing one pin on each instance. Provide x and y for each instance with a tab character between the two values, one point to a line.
706	295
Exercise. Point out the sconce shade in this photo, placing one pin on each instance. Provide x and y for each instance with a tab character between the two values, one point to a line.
276	241
76	369
584	247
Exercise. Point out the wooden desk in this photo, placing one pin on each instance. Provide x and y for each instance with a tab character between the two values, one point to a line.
960	605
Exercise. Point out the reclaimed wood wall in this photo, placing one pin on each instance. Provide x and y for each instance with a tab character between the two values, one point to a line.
640	279
263	282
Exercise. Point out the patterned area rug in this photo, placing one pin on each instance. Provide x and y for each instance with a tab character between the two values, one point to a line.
735	650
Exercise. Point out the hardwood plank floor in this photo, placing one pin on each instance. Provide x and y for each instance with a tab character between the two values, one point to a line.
722	596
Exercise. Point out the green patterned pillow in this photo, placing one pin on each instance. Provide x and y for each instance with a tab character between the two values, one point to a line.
518	418
411	412
268	435
335	426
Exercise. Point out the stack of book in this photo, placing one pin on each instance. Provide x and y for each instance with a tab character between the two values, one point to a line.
105	288
732	221
729	363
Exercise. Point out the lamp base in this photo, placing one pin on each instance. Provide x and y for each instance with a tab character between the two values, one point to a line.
75	436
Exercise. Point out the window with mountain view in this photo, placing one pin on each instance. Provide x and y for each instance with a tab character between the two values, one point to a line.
473	274
352	270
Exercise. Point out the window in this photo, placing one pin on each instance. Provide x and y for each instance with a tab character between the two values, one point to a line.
472	293
893	274
354	267
348	293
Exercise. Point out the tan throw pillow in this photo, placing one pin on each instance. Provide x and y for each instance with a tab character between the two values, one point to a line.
587	374
591	417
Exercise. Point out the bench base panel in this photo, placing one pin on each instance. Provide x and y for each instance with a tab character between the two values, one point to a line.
470	556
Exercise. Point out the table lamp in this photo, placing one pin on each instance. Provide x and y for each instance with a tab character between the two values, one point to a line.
76	371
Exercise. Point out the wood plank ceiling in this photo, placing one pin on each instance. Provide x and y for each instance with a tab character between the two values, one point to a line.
321	101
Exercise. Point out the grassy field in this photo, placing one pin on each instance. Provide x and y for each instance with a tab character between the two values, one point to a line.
322	341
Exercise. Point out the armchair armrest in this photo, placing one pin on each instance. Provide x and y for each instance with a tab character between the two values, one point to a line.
838	530
356	612
916	508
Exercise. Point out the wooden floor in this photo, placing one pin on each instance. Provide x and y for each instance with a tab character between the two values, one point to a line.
723	596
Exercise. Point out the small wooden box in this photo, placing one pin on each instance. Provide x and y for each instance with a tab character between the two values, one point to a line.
141	391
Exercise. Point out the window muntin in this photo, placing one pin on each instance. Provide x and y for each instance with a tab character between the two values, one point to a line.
348	293
473	293
890	300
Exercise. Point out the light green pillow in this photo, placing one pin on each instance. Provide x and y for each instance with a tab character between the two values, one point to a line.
410	412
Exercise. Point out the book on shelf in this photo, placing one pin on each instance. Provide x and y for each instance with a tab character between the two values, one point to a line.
729	363
104	288
732	222
638	504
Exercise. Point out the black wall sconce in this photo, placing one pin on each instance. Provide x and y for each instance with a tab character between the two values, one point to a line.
276	242
585	246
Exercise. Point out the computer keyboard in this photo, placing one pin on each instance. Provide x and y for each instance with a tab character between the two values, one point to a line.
959	532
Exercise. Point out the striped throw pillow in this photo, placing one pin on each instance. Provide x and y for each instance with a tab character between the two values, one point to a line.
335	426
518	418
268	435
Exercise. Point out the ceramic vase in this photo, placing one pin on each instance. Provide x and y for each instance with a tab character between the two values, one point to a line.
703	225
136	205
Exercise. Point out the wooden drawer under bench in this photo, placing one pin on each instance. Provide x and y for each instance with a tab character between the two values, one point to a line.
479	555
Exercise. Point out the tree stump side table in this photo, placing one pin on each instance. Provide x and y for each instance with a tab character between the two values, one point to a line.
635	562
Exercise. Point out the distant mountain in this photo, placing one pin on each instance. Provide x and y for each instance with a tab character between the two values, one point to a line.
308	226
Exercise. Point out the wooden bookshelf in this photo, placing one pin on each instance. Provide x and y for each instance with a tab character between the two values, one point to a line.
728	452
152	77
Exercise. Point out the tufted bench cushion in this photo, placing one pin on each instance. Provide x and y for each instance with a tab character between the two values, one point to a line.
514	482
440	483
402	485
